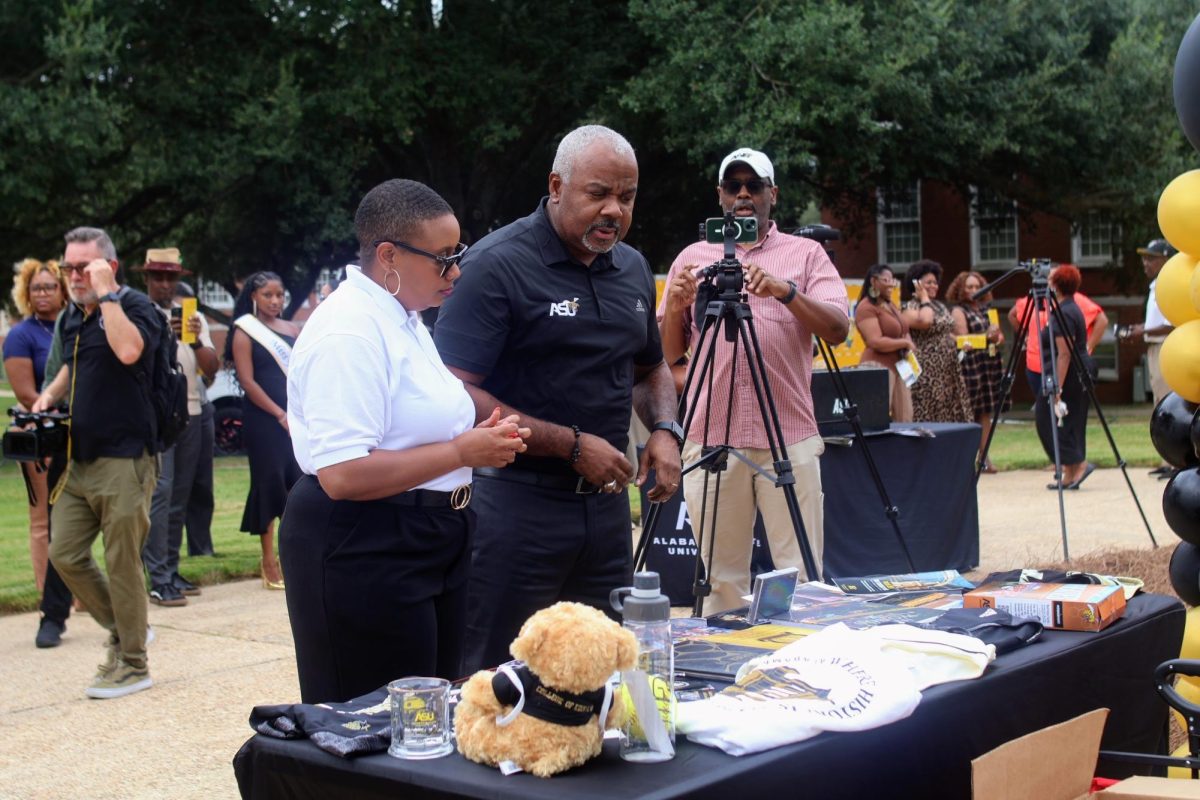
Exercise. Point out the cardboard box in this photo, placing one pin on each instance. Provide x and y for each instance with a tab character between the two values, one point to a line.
1064	606
1143	788
1057	763
1020	769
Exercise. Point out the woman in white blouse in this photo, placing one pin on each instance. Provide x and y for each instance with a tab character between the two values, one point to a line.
375	539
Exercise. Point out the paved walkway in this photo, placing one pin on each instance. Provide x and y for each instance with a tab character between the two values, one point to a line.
231	649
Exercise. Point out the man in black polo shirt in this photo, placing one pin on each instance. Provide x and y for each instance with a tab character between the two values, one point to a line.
553	319
109	338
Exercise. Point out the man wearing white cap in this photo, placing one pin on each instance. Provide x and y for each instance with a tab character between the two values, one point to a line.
794	292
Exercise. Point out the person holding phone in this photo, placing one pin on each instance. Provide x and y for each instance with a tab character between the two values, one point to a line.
163	269
940	394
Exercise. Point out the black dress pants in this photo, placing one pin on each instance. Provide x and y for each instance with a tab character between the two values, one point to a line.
375	591
56	597
1072	434
534	547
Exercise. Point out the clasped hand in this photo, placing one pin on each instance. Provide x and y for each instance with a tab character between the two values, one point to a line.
494	442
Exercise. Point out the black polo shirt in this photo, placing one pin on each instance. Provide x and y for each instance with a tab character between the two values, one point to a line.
555	338
111	412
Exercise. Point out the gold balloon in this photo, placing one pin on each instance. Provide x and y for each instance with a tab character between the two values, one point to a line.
1180	361
1179	212
1173	289
1191	635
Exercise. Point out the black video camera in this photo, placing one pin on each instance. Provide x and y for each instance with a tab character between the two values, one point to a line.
36	436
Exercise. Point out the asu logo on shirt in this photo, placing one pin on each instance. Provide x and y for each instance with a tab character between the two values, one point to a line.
566	308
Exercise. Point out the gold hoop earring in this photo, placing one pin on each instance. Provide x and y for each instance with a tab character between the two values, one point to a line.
385	286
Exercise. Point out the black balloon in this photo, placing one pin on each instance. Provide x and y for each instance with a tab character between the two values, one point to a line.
1181	505
1187	83
1185	573
1171	431
1196	434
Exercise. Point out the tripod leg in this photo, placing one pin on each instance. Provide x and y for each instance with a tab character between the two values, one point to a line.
770	417
1089	386
850	413
1006	383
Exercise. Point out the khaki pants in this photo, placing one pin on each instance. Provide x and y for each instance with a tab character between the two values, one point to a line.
743	491
1158	386
110	495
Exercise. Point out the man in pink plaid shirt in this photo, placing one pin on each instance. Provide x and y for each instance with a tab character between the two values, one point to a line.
794	292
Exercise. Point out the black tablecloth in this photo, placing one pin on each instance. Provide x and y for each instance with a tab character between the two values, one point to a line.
927	755
931	481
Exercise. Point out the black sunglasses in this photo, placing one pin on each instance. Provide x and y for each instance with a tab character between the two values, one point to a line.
733	187
77	268
445	262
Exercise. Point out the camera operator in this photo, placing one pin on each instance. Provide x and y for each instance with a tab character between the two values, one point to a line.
109	337
794	292
39	292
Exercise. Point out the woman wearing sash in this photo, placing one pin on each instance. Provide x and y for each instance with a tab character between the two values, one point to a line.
260	347
376	539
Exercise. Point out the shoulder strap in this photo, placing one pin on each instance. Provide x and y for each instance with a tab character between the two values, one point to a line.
280	350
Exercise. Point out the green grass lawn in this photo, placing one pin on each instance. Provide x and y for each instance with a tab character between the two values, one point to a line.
1015	446
237	553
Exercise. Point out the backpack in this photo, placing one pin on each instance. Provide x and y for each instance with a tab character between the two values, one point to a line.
168	389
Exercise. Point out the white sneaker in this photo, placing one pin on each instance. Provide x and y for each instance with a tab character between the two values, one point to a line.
120	681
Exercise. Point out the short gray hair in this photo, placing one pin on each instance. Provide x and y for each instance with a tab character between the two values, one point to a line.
97	235
580	139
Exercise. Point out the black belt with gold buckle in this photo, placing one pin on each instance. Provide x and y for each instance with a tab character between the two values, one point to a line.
458	499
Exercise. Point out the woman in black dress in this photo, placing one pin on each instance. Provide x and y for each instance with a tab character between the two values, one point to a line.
1072	425
259	347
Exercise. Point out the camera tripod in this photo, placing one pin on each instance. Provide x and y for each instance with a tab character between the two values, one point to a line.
1042	304
727	310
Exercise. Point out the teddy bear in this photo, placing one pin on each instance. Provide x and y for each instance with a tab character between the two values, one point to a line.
549	712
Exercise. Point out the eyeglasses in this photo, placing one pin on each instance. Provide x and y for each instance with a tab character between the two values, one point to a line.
445	262
734	187
48	288
77	268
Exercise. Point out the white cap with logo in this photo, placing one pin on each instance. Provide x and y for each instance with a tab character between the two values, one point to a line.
754	159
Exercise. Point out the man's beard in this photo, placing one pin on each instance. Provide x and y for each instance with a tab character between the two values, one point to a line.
84	297
596	248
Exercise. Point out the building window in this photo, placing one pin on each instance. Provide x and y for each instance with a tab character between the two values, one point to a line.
899	225
993	230
1105	354
1095	240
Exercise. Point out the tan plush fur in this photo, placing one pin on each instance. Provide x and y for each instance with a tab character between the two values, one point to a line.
569	646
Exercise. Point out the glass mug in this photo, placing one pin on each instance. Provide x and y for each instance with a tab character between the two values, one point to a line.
420	718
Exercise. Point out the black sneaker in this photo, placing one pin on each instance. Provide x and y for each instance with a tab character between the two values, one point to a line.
49	633
185	587
1161	472
164	594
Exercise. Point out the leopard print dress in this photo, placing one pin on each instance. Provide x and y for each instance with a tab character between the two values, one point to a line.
939	395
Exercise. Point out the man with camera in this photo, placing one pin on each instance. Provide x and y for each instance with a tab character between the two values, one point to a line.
180	461
794	292
553	320
109	338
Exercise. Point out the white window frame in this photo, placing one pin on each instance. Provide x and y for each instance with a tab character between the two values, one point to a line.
1077	256
214	295
882	221
977	263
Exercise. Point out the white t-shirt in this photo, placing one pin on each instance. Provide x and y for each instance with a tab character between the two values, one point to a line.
365	375
1154	316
